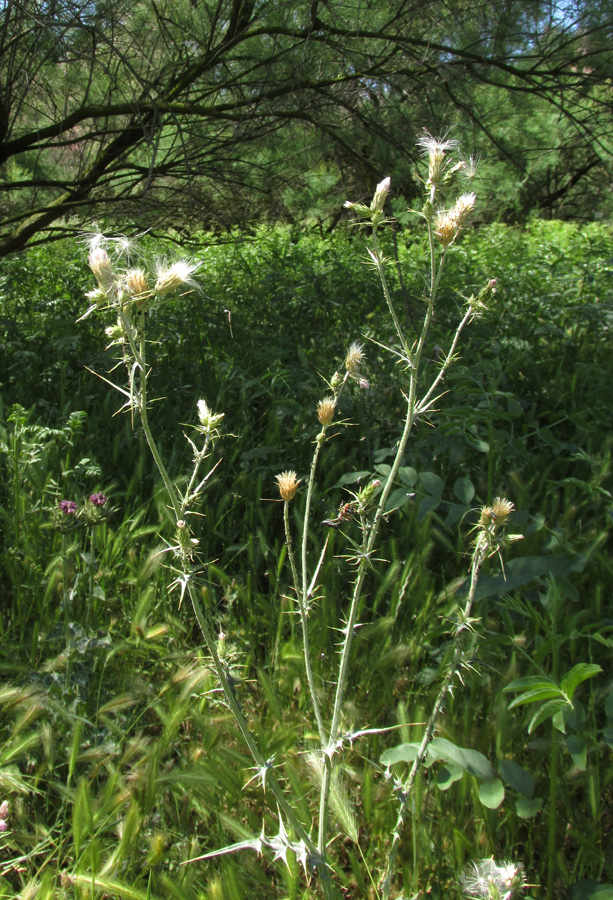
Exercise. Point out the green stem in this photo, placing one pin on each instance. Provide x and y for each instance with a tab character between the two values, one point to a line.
92	553
261	763
459	655
414	360
302	605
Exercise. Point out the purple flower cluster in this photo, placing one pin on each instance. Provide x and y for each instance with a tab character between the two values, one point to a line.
4	811
68	507
99	499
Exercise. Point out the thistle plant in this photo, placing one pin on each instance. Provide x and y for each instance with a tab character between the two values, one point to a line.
370	506
489	880
131	293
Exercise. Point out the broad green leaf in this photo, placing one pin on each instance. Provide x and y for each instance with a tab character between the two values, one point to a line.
397	499
448	774
433	483
577	747
534	696
471	760
427	505
491	793
464	490
353	477
589	889
527	809
456	511
546	711
531	681
406	753
577	675
517	777
408	475
383	469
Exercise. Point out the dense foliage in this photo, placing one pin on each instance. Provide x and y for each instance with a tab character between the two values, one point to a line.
189	115
116	761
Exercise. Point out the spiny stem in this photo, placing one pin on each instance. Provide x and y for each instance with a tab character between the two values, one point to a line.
459	655
302	605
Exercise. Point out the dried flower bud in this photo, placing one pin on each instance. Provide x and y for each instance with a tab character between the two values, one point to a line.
100	264
463	206
495	516
287	483
501	510
175	276
325	410
136	282
355	357
435	149
446	228
381	192
448	223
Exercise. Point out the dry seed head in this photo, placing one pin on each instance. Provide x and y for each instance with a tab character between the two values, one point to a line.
355	357
490	880
446	228
136	282
175	276
325	410
435	149
287	483
502	509
463	206
100	264
472	165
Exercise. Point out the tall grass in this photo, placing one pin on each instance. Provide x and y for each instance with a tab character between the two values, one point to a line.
118	760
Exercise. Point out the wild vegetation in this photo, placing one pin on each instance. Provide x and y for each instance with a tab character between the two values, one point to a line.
182	115
120	760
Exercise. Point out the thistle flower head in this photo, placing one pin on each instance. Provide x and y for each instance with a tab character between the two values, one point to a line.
446	228
471	167
462	207
435	149
355	357
501	510
67	507
209	421
381	192
325	410
449	222
492	881
100	264
429	144
136	282
287	483
179	274
4	811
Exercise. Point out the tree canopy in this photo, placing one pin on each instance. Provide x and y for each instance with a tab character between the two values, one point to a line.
205	113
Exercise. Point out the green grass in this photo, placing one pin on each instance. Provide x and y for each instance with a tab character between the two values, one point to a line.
117	760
